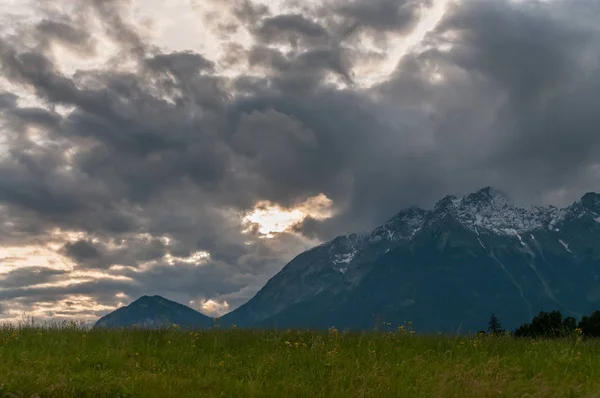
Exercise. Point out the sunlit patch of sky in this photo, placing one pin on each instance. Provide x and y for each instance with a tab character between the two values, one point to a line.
32	256
210	307
77	307
272	218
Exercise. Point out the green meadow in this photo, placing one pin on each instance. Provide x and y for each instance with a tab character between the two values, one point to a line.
69	361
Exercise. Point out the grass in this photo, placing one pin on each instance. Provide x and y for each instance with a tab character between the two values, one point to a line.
73	362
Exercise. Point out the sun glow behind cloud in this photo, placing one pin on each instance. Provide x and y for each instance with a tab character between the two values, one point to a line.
195	258
211	307
78	307
270	219
32	256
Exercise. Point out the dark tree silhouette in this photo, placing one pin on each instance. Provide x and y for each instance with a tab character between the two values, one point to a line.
547	324
590	324
494	325
569	324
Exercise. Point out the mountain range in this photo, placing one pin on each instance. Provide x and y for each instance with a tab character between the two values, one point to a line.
445	269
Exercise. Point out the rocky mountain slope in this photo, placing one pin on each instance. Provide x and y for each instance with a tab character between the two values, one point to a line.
155	312
445	269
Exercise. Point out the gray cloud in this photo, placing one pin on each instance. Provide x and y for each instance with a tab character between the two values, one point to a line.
503	94
74	37
109	12
81	251
250	13
291	28
130	252
183	65
8	100
25	276
398	15
34	294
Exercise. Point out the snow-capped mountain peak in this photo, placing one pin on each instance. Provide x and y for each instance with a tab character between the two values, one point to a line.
491	210
487	196
487	211
446	203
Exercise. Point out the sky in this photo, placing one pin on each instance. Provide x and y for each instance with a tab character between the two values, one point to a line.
191	148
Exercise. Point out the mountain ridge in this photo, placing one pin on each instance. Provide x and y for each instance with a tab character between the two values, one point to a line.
445	268
486	218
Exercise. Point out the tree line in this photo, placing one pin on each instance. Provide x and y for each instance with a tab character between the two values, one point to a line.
549	324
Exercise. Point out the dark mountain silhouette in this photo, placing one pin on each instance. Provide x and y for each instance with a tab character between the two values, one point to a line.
155	312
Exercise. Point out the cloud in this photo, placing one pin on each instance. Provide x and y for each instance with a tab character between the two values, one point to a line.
8	100
131	164
26	276
291	28
64	33
382	14
81	251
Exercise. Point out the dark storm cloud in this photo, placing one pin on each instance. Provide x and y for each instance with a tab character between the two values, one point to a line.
37	71
174	149
183	65
109	12
250	13
24	185
77	38
26	276
545	65
8	100
302	71
132	252
34	116
81	251
549	117
397	15
149	123
49	294
291	28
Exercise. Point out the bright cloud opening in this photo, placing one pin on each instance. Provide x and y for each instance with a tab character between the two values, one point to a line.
76	307
32	256
195	258
270	218
212	307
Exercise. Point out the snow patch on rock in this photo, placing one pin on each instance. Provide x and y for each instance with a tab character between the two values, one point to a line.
344	258
479	238
565	245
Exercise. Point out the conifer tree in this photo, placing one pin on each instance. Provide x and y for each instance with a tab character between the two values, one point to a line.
494	325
